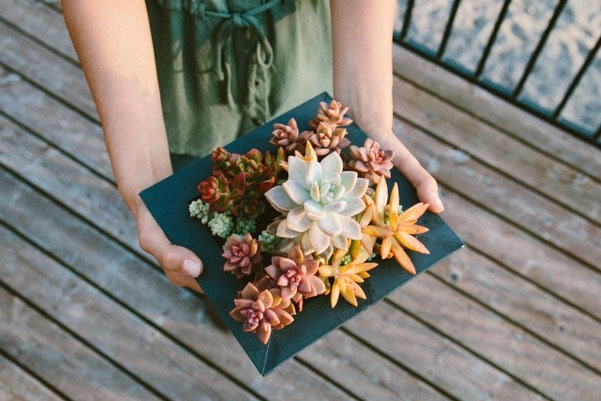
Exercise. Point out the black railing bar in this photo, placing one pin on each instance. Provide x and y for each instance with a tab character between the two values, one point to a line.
421	49
492	39
572	126
598	136
448	29
406	20
589	59
539	47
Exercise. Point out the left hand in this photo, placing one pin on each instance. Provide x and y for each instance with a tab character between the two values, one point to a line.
425	185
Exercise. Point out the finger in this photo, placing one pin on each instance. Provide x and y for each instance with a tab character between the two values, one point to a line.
425	185
181	280
179	263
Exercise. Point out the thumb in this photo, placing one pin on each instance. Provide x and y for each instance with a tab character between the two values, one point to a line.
181	265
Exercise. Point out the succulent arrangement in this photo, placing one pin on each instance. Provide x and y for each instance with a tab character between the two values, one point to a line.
328	213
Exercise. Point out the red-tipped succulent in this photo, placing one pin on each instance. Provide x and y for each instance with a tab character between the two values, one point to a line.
220	191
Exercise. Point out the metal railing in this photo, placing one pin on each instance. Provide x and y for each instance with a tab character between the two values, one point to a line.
537	61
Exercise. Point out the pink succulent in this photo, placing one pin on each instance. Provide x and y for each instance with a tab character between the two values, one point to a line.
260	311
295	276
288	137
332	113
241	254
327	139
370	161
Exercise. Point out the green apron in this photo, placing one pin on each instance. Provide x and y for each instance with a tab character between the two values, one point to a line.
226	67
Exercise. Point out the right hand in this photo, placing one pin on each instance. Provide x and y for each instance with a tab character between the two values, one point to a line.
181	265
114	45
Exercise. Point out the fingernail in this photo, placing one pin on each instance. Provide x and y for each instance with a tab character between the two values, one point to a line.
440	204
191	268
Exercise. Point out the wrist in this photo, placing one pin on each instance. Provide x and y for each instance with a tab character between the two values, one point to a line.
130	186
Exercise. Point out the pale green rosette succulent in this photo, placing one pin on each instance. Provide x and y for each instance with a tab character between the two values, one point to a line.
319	201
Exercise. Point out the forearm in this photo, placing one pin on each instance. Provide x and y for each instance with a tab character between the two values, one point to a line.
362	54
113	42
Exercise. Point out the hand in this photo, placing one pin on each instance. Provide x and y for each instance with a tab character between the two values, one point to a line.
425	185
180	264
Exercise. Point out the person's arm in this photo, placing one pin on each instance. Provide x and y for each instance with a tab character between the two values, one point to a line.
362	50
114	45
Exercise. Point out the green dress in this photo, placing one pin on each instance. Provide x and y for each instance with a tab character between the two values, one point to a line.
227	66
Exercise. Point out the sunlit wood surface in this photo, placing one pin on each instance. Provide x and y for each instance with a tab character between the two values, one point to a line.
86	315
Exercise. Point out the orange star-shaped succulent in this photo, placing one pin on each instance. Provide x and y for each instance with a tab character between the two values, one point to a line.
346	278
396	230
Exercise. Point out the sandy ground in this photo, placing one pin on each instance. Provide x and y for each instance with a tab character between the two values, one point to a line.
576	32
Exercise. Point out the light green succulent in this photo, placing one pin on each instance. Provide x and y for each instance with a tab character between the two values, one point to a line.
221	224
199	210
319	201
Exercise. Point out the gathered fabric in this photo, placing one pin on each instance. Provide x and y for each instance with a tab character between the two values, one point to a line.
246	19
226	66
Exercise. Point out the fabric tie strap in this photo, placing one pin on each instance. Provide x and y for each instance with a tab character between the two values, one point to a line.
247	19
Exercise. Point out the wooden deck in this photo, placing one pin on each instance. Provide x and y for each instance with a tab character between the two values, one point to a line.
86	315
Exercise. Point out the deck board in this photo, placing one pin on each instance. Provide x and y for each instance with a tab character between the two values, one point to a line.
515	315
59	357
498	341
21	385
560	183
457	370
529	258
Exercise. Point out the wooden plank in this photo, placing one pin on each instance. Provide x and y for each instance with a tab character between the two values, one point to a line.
114	331
569	186
461	373
82	190
345	360
526	305
46	69
38	20
506	345
51	353
55	123
516	202
509	119
525	255
16	384
533	257
176	315
144	289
